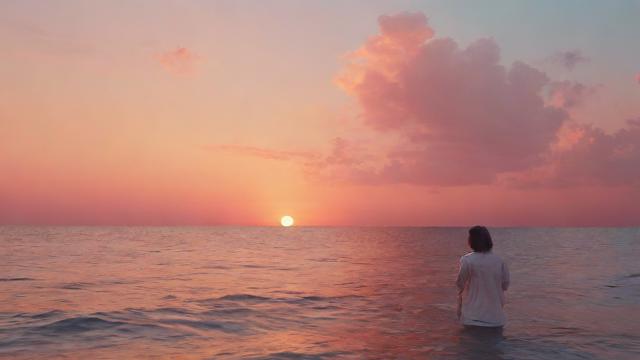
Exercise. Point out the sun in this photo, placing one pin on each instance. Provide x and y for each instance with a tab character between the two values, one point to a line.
286	221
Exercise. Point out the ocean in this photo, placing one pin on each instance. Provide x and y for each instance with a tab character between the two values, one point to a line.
310	293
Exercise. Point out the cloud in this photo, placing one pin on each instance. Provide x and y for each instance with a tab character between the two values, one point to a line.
264	153
599	158
464	117
568	94
342	152
445	115
634	121
180	61
588	156
638	78
569	59
345	160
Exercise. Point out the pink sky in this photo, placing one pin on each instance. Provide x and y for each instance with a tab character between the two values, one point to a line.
200	120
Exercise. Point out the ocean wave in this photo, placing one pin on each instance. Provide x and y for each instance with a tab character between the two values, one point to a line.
301	356
243	297
290	299
228	327
78	324
16	279
22	330
75	285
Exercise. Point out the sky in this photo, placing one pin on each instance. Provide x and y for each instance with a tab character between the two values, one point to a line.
362	113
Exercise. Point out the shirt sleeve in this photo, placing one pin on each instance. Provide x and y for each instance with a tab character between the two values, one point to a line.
506	278
463	275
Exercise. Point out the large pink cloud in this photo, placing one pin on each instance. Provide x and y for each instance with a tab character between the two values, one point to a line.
464	116
446	115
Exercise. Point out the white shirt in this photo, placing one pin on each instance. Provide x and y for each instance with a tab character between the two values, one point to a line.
485	277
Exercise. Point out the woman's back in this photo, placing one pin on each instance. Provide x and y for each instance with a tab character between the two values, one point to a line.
482	279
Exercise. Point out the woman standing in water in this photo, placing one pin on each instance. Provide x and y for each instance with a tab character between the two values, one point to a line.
485	277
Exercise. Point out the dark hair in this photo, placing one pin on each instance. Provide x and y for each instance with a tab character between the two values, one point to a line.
480	239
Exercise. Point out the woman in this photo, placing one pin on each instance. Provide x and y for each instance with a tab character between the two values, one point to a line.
485	277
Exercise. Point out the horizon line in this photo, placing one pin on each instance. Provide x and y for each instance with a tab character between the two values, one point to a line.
314	226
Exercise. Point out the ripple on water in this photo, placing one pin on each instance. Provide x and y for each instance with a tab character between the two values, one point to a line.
21	331
76	325
16	279
243	297
75	285
301	356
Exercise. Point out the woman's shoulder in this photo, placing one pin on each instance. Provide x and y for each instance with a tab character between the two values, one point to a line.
482	257
467	256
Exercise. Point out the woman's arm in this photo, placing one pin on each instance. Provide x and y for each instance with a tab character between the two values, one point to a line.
461	283
506	277
463	276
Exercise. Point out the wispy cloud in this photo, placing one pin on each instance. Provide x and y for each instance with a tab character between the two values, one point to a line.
569	59
264	153
569	94
180	61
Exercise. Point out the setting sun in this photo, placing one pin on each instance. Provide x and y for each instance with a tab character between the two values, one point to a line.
286	221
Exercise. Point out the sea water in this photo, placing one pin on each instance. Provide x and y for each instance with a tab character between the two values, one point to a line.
310	293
